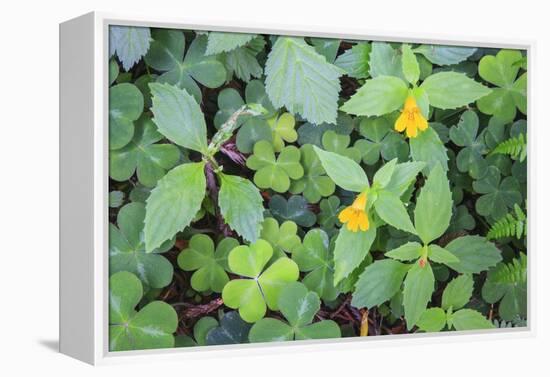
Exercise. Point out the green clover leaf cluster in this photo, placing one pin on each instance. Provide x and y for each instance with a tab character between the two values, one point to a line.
266	188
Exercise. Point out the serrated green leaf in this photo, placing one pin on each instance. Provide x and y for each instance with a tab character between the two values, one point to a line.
219	42
458	292
392	210
427	147
432	320
411	69
445	55
129	43
178	116
406	252
378	283
301	80
418	289
173	203
241	206
385	61
475	254
355	61
468	319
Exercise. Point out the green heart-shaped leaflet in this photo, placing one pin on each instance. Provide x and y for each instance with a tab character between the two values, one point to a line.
151	327
209	265
127	249
259	289
299	306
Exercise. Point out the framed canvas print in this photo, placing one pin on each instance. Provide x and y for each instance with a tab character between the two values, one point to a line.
229	189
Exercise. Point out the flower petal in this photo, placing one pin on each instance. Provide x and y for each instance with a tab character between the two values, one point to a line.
412	131
346	214
401	122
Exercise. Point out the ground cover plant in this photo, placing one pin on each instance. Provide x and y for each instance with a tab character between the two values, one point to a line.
268	188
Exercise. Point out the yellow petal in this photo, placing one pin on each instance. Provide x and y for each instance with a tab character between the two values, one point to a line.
401	122
421	123
363	221
345	215
412	131
353	223
360	201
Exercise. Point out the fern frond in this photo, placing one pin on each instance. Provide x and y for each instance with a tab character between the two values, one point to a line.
510	273
516	147
514	224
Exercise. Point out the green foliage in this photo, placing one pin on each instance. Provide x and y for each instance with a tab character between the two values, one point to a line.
298	307
129	43
501	70
173	203
127	249
150	327
514	224
315	184
516	147
232	157
260	289
275	172
507	283
209	265
302	80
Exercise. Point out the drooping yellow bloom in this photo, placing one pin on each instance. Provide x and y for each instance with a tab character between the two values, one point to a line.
355	217
411	119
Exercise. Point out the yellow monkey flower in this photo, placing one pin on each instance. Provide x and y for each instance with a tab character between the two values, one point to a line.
355	216
411	119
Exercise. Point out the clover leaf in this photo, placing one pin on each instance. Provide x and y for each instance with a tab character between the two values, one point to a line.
275	172
380	140
209	265
497	196
127	249
259	289
294	209
328	214
283	239
470	157
283	130
314	256
200	331
125	107
232	330
167	55
501	70
338	143
309	133
151	327
299	307
315	183
143	155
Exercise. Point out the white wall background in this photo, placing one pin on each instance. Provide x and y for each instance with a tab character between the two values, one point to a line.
29	183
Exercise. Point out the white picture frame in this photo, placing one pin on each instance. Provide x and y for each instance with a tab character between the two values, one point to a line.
84	191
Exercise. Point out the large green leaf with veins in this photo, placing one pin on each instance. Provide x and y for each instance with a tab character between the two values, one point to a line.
151	327
173	203
129	43
302	80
